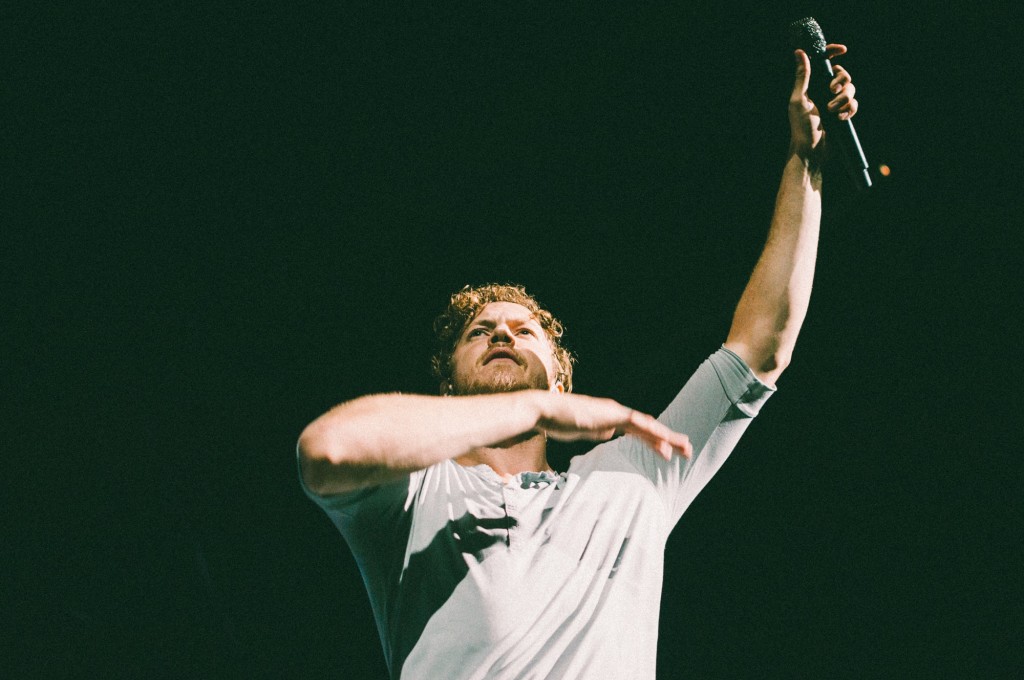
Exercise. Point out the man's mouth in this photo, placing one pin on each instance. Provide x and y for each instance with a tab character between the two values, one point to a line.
501	354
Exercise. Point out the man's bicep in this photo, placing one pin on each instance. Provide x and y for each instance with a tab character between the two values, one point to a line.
722	381
713	409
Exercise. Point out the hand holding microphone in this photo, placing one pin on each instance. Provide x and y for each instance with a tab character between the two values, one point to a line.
830	104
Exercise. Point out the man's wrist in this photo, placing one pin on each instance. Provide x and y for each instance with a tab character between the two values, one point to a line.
539	404
810	160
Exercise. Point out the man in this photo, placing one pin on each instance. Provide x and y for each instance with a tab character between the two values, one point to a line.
482	562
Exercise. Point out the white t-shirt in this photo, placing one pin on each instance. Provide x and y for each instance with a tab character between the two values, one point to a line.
546	575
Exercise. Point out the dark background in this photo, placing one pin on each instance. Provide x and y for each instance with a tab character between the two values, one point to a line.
219	222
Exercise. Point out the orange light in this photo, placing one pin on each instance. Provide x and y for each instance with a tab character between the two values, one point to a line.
884	170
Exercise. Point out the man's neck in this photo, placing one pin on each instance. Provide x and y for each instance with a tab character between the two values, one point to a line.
510	458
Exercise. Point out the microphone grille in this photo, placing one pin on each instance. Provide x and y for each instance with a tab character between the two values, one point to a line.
806	34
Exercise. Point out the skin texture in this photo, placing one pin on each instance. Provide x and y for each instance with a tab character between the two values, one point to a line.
504	402
374	439
774	303
503	349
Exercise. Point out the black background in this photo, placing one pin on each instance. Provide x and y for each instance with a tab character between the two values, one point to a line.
219	222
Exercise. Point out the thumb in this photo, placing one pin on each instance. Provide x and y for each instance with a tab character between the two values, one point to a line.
803	74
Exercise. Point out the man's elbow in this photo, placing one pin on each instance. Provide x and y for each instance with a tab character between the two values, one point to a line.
331	467
767	360
323	466
314	463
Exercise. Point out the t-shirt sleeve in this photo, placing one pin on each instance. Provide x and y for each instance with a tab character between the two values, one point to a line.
713	409
374	520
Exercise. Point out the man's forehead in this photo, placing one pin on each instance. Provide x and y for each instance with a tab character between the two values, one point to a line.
504	311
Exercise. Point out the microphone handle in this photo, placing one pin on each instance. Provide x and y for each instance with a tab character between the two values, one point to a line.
837	130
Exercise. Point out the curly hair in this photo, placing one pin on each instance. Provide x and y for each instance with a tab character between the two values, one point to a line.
464	307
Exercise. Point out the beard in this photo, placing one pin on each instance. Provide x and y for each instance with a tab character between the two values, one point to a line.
501	379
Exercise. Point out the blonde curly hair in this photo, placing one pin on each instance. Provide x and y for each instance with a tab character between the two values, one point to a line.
464	307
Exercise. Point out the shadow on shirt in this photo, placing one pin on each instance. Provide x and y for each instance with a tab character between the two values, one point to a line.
434	573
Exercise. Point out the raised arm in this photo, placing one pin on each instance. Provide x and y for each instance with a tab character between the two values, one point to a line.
379	438
773	305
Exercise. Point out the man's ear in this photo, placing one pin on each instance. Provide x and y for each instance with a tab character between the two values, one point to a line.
557	387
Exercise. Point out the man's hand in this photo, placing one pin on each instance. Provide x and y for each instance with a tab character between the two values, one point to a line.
570	417
804	116
379	438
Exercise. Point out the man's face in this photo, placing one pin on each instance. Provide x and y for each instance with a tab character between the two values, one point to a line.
503	349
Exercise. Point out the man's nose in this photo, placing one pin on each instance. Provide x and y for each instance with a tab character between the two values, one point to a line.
502	334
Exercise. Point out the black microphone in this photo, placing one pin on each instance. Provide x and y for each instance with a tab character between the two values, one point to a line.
806	34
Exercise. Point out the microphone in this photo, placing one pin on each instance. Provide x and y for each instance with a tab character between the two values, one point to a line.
806	34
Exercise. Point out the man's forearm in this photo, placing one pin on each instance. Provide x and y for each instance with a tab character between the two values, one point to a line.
378	438
774	303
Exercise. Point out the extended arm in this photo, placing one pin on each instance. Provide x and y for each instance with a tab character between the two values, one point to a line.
379	438
773	305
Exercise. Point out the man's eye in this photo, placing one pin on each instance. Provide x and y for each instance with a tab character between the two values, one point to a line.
526	331
475	332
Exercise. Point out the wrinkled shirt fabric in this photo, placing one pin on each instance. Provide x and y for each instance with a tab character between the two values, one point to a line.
545	575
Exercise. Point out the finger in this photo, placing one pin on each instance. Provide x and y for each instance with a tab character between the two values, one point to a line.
840	101
677	440
849	110
802	76
842	79
660	446
666	448
834	50
683	446
843	107
658	436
